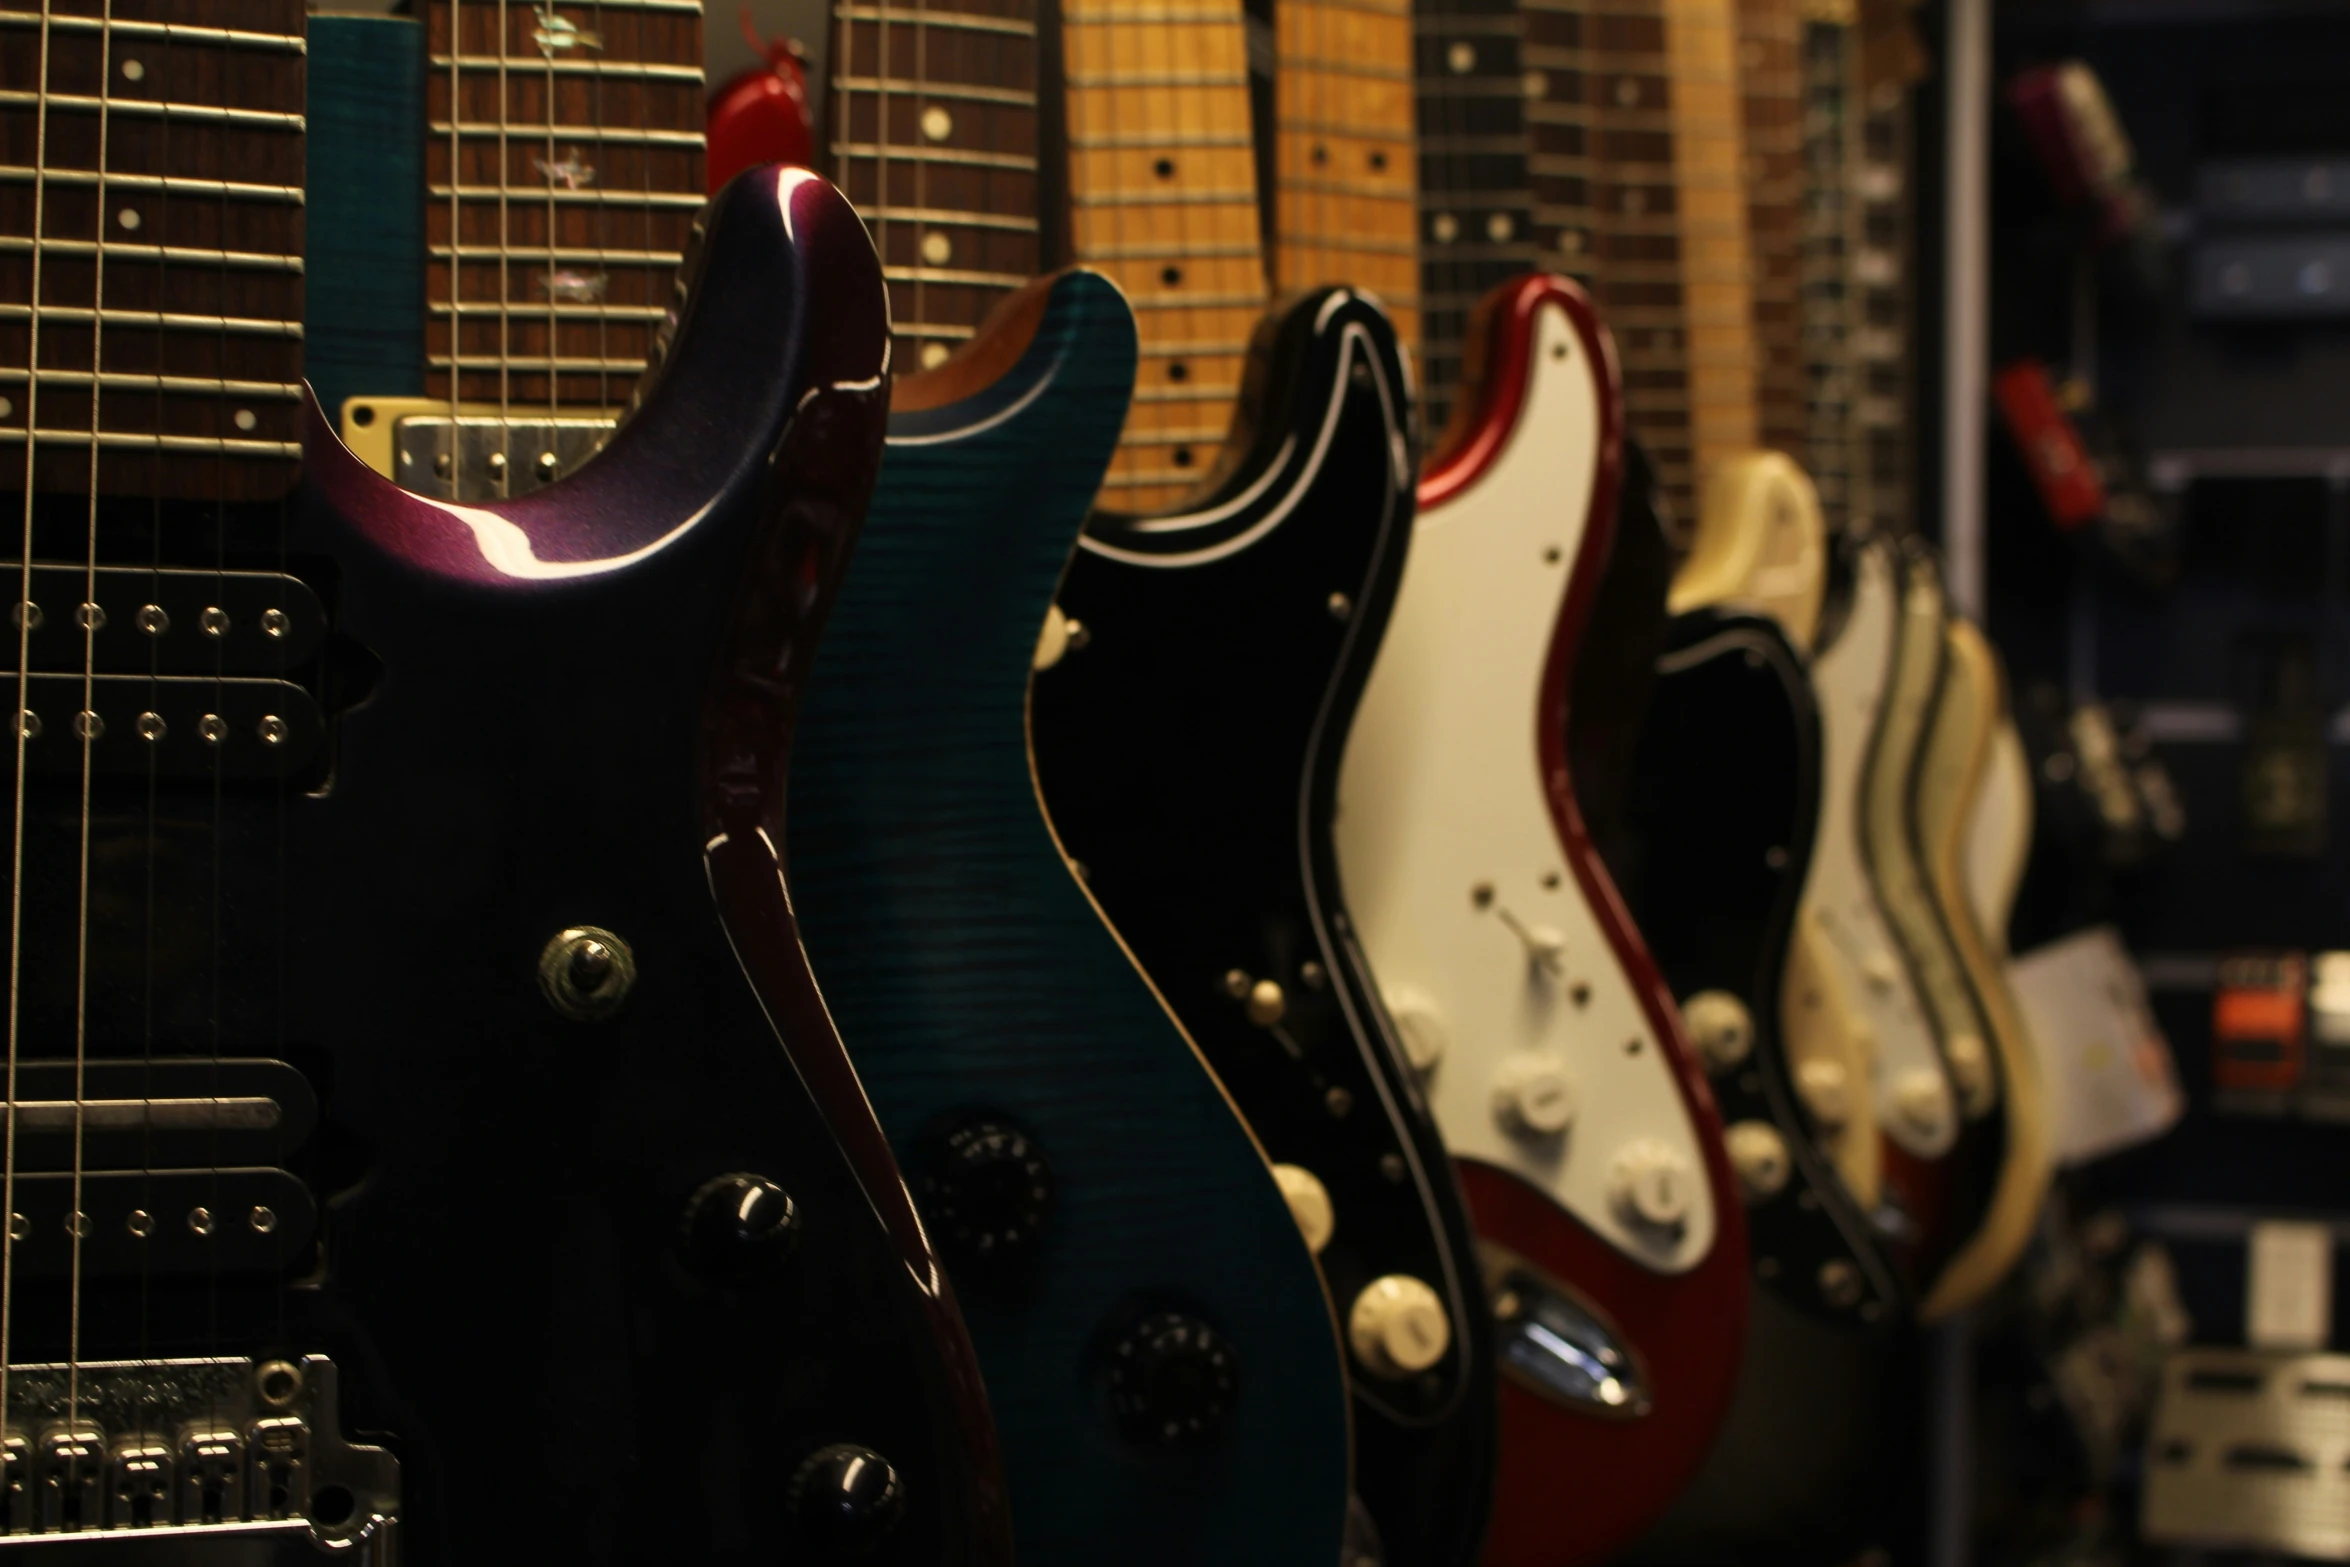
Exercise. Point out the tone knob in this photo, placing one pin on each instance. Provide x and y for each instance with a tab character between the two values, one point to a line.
988	1190
739	1228
1533	1094
1652	1185
1420	1028
1546	944
1826	1089
1922	1100
1172	1381
844	1500
1721	1028
1969	1060
1398	1326
1759	1154
1309	1204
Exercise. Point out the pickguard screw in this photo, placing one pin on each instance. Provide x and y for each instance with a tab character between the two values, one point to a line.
1236	983
1311	975
200	1220
152	619
1391	1166
1340	606
214	620
1839	1283
1338	1102
586	972
1481	895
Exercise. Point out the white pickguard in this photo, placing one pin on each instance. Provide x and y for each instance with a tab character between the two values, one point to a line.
1445	839
1839	901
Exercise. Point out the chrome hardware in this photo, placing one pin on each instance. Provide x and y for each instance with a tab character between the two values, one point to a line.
1340	606
586	973
1266	1004
1555	1344
71	1476
139	1483
467	459
1720	1027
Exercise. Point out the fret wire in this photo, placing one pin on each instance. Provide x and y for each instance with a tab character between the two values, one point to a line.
1151	140
949	92
267	118
966	21
680	201
1161	250
1016	162
1246	299
535	363
620	258
170	184
1123	81
162	320
19	244
940	215
596	133
170	32
1150	198
955	276
1187	16
136	381
625	70
126	440
540	308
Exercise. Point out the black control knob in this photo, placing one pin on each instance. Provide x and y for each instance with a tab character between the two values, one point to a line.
1173	1381
844	1500
988	1189
739	1228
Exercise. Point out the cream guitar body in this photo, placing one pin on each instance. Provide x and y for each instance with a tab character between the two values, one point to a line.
1962	762
1551	1054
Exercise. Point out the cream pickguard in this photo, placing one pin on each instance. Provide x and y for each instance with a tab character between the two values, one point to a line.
1840	910
1510	997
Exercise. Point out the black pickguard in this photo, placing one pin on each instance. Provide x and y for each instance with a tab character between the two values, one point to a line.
1188	754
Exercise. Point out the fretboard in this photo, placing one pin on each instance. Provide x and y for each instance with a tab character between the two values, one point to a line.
1562	132
151	202
1479	222
1344	186
563	169
1163	199
934	137
1770	91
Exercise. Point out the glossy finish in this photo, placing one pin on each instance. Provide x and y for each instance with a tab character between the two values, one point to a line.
558	713
1189	753
1724	803
1485	909
978	981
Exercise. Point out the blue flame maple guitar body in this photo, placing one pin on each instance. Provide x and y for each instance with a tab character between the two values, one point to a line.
1157	1345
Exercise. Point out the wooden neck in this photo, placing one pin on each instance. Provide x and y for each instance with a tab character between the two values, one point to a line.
1770	93
563	170
1479	221
1163	199
933	135
164	357
1716	257
1344	190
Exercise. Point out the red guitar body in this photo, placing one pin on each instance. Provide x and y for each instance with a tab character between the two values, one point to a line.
762	115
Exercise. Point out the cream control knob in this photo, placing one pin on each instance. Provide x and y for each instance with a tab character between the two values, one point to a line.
1721	1027
1921	1099
1546	944
1969	1060
1826	1089
1652	1185
1266	1004
1419	1027
1398	1326
1053	641
1881	972
1309	1204
1533	1094
1759	1154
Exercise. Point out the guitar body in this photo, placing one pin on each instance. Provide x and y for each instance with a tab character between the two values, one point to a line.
1156	1343
1462	850
1938	1166
1187	745
1725	801
462	814
1954	771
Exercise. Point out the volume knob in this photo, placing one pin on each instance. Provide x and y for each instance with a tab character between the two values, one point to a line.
1533	1094
1720	1027
844	1500
738	1228
1172	1381
989	1191
1398	1326
1652	1185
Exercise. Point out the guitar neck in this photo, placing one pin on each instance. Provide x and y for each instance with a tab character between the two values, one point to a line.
164	354
1344	187
563	170
1770	94
934	137
1163	199
1480	224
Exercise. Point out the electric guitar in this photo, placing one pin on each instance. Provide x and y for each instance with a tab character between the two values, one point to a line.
534	231
1557	1067
407	1020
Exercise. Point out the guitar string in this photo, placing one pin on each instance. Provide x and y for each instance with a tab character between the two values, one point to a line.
599	227
921	161
25	718
547	34
454	12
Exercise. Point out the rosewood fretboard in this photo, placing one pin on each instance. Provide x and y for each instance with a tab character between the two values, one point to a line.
151	202
563	169
934	137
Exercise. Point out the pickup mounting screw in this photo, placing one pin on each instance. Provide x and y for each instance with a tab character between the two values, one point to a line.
586	973
152	619
200	1220
263	1220
141	1223
214	620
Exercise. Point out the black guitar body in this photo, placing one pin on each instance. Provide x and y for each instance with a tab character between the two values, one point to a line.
1722	807
1187	747
1615	660
469	1165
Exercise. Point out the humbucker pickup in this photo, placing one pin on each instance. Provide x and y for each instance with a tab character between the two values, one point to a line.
165	1112
164	620
161	1223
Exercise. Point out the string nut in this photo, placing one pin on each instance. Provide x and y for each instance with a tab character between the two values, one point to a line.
152	620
